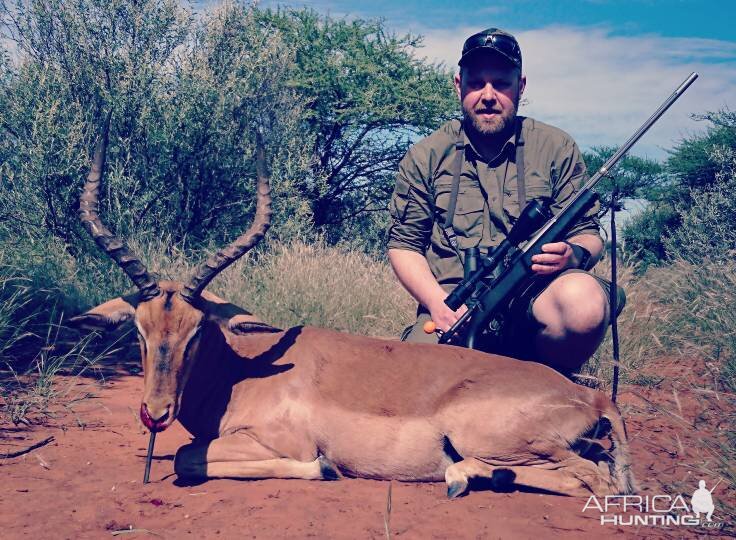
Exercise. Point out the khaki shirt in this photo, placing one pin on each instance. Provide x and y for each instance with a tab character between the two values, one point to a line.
487	201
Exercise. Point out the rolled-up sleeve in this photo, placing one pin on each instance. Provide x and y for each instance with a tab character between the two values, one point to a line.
571	176
411	206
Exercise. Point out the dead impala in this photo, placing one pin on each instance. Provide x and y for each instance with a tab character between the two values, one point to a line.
317	404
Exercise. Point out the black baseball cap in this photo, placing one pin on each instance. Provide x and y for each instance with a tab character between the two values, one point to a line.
492	40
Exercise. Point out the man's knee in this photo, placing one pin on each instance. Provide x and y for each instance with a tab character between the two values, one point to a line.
572	303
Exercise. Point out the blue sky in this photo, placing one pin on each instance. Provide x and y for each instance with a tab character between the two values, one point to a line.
595	68
672	18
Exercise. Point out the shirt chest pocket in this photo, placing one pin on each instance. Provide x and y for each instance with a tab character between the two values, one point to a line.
468	220
536	186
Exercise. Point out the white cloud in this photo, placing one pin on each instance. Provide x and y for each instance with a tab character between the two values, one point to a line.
600	88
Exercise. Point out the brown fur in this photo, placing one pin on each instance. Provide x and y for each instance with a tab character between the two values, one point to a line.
314	403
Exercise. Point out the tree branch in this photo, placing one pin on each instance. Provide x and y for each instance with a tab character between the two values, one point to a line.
18	453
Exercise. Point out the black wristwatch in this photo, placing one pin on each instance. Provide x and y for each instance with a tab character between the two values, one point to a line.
581	254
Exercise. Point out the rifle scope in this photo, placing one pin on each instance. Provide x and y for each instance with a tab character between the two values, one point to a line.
534	215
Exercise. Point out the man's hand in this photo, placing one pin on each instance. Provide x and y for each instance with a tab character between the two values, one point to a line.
442	316
557	256
413	271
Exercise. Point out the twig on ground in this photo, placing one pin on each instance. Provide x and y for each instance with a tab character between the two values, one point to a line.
129	531
679	444
31	448
387	516
42	462
716	393
677	401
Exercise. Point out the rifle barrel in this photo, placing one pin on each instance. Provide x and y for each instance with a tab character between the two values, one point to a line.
613	160
608	165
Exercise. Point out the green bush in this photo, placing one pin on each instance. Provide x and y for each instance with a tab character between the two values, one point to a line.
367	96
644	234
336	101
693	177
706	230
692	163
186	98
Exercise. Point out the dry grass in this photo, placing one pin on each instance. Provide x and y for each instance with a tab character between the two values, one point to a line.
387	515
321	286
637	326
299	283
682	311
30	361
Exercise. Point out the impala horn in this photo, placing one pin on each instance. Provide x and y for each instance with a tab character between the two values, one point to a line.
207	271
111	244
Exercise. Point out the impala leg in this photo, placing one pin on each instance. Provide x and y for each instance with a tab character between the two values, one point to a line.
458	475
240	456
575	476
563	480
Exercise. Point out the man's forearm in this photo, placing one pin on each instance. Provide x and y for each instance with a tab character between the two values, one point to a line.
414	274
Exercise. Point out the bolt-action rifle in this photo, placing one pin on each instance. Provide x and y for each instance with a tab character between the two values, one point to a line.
507	269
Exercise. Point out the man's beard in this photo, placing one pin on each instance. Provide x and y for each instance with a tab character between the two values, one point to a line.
493	126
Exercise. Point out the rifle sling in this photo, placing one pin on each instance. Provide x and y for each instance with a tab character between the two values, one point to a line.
457	167
520	183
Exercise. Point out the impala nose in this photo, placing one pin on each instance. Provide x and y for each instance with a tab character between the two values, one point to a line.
157	419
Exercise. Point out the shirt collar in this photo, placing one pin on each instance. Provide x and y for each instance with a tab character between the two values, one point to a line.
508	146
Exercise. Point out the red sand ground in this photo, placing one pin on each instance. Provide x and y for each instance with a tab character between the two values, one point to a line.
88	482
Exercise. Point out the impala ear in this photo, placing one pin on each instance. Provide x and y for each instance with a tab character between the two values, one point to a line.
248	324
107	316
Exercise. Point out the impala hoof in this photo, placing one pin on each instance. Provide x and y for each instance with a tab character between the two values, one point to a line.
328	469
456	489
